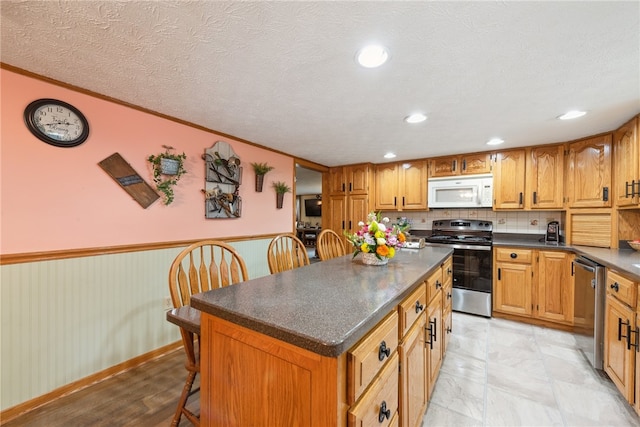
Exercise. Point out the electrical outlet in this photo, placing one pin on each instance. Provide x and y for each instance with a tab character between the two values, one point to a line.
168	305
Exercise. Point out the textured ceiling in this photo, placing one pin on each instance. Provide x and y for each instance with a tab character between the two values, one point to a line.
283	74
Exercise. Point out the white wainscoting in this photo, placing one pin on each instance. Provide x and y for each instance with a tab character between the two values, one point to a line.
67	319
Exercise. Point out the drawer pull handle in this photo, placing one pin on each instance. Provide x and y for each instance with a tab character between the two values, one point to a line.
449	271
449	330
627	323
419	307
513	255
615	286
448	295
383	351
384	413
438	284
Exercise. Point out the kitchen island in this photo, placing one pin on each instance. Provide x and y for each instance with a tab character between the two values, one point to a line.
274	348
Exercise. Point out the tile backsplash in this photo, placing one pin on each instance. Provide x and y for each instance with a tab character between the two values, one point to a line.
529	222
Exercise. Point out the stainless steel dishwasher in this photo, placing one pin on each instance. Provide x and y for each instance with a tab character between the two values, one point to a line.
589	300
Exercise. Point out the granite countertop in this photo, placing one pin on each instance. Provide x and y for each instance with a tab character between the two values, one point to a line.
623	260
325	307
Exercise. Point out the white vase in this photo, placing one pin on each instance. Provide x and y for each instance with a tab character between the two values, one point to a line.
372	259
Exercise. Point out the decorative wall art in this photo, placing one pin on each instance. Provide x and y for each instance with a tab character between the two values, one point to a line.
223	176
122	173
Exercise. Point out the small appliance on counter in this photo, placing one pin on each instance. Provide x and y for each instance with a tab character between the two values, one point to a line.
553	233
414	243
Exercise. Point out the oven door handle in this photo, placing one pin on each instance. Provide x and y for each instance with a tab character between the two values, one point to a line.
471	247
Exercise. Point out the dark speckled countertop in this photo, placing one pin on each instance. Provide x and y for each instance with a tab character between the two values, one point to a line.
325	307
623	260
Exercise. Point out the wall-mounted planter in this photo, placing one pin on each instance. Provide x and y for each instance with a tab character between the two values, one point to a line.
260	170
281	189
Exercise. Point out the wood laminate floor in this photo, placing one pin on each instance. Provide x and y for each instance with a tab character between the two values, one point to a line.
496	373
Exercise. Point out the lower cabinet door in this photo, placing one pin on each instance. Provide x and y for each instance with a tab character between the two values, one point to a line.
447	328
618	358
379	404
434	340
413	379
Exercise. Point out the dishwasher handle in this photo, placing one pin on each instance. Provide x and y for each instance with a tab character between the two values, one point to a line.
582	264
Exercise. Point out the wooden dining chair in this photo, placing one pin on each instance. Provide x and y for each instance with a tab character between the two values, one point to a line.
329	245
202	266
286	252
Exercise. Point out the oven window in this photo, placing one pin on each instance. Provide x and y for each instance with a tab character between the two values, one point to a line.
472	269
456	195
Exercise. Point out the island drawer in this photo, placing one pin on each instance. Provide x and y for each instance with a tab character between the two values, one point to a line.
434	284
379	405
369	355
514	255
411	308
622	288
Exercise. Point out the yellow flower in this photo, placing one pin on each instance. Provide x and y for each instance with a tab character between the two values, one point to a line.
364	248
392	252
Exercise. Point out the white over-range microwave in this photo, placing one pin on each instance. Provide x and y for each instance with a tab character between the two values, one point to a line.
474	191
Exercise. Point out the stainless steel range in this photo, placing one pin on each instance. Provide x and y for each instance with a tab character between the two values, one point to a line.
472	261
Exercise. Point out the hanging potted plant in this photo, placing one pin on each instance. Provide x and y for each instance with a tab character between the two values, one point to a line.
168	168
281	188
260	170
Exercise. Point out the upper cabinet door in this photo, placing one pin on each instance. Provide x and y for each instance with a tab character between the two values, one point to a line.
475	163
413	185
444	166
337	180
545	174
386	193
358	179
508	180
626	153
589	180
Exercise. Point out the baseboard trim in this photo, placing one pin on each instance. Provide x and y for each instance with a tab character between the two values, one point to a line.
22	408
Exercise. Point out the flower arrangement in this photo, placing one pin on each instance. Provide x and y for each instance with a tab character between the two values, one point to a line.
376	236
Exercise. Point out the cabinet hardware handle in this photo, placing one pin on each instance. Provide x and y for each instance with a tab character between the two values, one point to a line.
350	187
383	351
605	194
615	286
430	329
573	268
343	187
419	307
453	165
449	330
520	200
464	165
635	192
449	271
343	224
535	197
626	189
384	413
636	332
394	201
499	275
629	332
449	295
513	255
620	323
435	328
438	284
349	224
402	200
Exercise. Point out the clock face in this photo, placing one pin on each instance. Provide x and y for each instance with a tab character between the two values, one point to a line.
56	122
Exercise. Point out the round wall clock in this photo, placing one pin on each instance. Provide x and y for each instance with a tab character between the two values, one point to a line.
56	122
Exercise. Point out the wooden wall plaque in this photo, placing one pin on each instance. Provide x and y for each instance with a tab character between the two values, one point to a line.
129	180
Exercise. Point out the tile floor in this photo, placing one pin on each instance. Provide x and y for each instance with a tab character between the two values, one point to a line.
502	373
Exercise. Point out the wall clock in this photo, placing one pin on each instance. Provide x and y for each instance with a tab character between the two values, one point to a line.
56	122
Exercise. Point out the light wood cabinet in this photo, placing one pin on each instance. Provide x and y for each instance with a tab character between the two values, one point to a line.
349	199
555	287
589	173
434	344
509	179
513	278
468	164
447	307
413	358
626	160
401	186
620	339
545	177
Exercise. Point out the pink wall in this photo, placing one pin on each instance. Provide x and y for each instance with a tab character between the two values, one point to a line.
59	198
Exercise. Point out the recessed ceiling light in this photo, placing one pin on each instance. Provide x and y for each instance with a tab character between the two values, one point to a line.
372	56
389	156
574	114
415	118
495	141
